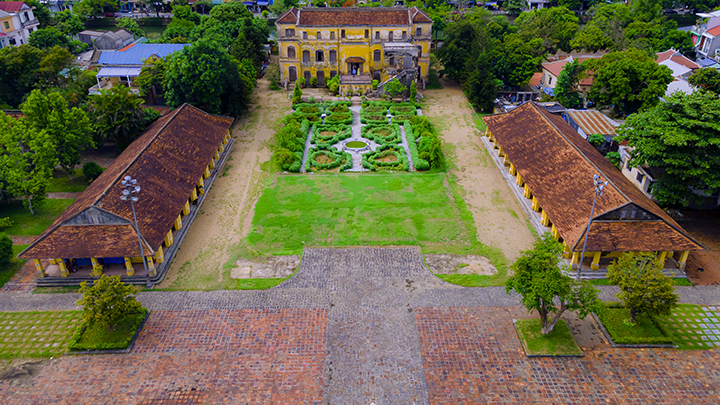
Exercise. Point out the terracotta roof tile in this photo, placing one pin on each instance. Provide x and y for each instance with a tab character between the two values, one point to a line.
288	17
167	160
420	16
348	16
558	166
11	6
714	31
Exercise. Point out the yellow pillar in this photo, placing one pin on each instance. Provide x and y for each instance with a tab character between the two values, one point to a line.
596	261
489	135
544	219
211	165
566	251
178	223
222	147
39	268
555	232
201	183
495	144
683	259
663	256
207	172
511	169
159	255
520	182
151	267
217	155
186	208
535	204
194	196
53	261
169	239
500	151
129	269
575	259
63	268
506	161
97	268
527	193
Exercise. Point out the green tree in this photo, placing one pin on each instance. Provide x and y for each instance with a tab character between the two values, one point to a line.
88	8
47	38
681	136
297	92
218	90
539	279
281	6
481	86
571	4
107	301
516	60
152	74
6	253
203	5
707	79
413	91
591	39
566	88
19	72
611	19
394	87
185	12
459	46
516	7
119	116
92	170
131	25
177	30
40	12
69	130
628	81
26	160
53	61
68	22
334	84
643	287
556	26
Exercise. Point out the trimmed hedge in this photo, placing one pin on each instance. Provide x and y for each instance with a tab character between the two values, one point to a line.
290	155
420	164
342	159
667	338
338	109
339	118
132	321
372	132
403	109
373	119
370	160
343	132
375	103
374	110
298	116
402	117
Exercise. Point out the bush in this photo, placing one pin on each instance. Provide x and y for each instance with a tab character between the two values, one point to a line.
375	103
338	158
99	337
342	132
420	164
413	91
272	74
6	252
302	81
374	110
433	80
403	108
92	171
339	118
372	118
313	81
371	160
333	84
108	301
375	84
383	134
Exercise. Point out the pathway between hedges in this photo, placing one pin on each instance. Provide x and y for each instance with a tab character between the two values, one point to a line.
356	326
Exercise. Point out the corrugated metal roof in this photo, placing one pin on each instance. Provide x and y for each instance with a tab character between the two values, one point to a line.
592	122
119	72
136	54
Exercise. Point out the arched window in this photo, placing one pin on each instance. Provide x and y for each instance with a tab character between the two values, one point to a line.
333	56
306	56
321	77
418	32
319	56
377	76
291	52
377	56
292	70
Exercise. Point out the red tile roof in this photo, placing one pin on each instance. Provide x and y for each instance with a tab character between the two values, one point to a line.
288	17
11	6
556	67
167	160
558	166
353	16
676	57
536	79
123	49
715	31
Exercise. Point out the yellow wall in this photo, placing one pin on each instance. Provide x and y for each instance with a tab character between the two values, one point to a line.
9	20
354	44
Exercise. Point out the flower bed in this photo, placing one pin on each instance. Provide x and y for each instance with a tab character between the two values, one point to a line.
300	116
373	119
403	109
402	117
375	110
375	103
324	157
339	118
386	157
383	134
329	134
420	164
338	109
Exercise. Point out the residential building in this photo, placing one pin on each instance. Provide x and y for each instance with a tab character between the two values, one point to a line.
706	35
359	44
553	167
551	71
112	40
174	162
55	6
17	21
124	66
682	68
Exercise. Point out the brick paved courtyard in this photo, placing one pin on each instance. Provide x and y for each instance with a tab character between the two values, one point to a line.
354	326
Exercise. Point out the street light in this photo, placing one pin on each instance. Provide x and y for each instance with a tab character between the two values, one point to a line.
599	186
130	187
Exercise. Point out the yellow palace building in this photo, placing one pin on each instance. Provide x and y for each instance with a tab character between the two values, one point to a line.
359	44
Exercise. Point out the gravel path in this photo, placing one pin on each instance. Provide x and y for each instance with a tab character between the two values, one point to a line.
405	145
308	145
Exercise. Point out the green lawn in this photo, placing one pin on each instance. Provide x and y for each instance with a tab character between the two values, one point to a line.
676	281
645	331
258	283
101	337
693	326
558	342
25	224
61	183
7	272
36	334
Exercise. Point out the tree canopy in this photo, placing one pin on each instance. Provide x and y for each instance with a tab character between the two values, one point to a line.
707	79
556	26
566	88
680	136
46	38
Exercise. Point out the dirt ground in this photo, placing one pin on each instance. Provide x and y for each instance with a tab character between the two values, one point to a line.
704	267
499	219
226	215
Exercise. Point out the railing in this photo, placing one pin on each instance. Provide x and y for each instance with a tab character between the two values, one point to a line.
34	21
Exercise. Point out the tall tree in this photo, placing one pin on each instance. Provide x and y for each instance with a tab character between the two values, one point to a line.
707	79
131	25
119	116
218	90
516	59
459	45
556	26
18	72
68	23
566	88
26	160
628	81
481	86
681	137
68	129
47	38
539	279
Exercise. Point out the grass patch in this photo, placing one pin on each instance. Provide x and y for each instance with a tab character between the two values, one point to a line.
692	326
473	280
7	272
56	290
25	224
100	337
258	283
36	333
61	183
645	331
559	342
676	281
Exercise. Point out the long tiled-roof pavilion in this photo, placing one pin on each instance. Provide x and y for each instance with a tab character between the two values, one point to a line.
555	166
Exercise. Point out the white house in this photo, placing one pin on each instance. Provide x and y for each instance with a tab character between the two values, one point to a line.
16	23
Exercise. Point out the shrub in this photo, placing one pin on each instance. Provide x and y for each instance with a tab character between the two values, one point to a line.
302	81
383	134
433	80
413	91
403	108
402	117
92	171
6	253
333	84
337	158
342	132
108	300
371	160
420	164
375	103
373	119
313	81
375	84
374	110
613	318
339	118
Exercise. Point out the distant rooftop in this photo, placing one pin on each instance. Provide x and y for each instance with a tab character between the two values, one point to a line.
135	54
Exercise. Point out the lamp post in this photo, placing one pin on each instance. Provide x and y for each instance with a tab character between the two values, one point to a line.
599	186
130	187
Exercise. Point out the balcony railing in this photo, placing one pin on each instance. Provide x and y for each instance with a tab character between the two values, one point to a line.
29	23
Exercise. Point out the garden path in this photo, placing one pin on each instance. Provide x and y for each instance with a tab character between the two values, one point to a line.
308	145
405	145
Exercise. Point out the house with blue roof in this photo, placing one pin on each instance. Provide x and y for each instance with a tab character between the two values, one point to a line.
122	67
